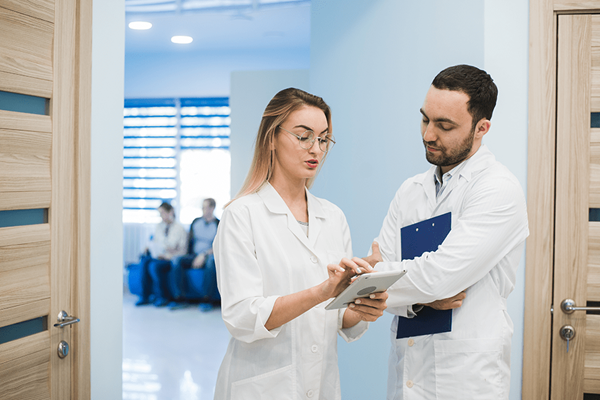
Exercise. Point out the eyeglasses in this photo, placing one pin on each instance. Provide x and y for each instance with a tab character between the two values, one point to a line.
307	140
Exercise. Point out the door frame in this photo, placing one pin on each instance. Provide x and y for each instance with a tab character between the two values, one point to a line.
537	341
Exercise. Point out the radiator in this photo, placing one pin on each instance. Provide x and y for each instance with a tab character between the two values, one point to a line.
135	240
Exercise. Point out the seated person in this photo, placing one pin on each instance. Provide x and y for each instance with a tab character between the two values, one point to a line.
200	255
169	241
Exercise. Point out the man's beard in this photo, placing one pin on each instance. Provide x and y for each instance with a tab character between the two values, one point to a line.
453	157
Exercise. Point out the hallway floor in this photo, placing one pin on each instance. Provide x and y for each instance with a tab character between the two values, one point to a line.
171	355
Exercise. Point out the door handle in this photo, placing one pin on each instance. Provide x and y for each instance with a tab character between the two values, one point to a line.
64	319
568	307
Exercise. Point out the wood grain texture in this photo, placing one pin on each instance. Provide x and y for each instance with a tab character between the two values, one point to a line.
24	312
26	377
593	279
24	200
17	121
572	191
42	9
592	373
24	255
17	235
595	166
570	5
23	286
81	372
16	349
540	199
63	108
24	166
26	48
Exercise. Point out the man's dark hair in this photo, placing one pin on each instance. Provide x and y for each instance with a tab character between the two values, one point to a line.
166	206
475	83
211	202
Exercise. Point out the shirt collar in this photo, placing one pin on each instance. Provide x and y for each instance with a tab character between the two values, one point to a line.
276	205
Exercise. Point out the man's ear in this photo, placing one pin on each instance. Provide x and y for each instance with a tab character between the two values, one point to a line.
483	126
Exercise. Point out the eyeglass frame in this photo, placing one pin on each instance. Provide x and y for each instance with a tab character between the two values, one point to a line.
312	142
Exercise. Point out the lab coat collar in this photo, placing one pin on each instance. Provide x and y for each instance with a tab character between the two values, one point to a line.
316	214
481	160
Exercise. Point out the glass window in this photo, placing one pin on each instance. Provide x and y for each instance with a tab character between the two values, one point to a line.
175	150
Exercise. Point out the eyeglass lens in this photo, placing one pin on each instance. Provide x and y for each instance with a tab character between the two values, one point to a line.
307	140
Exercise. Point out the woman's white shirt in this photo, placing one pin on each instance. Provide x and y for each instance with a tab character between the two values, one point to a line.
262	253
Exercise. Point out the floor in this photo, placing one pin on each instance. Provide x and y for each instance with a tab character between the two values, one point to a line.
171	355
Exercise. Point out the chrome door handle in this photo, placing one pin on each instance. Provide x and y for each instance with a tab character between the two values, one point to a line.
568	307
64	319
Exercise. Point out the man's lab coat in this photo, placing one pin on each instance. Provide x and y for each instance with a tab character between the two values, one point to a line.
262	253
481	254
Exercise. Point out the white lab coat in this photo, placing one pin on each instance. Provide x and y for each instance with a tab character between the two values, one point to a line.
262	253
481	254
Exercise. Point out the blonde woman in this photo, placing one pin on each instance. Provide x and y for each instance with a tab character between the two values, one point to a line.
281	253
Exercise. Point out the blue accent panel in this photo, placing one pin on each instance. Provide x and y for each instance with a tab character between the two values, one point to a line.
594	214
204	126
23	103
204	147
205	102
23	217
23	329
149	103
149	126
595	120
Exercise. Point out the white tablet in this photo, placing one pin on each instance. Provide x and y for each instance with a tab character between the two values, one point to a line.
364	285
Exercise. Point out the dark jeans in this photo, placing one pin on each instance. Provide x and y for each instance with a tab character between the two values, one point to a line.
178	277
155	278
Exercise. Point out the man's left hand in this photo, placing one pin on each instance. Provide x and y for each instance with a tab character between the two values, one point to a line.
449	303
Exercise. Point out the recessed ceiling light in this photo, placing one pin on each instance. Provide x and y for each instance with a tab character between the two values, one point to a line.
182	39
140	25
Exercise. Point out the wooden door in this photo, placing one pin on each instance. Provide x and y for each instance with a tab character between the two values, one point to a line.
45	52
575	365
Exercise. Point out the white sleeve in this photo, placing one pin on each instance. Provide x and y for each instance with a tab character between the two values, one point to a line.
244	308
354	332
493	222
387	240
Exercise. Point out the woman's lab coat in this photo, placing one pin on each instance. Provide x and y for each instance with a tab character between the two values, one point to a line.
481	254
262	253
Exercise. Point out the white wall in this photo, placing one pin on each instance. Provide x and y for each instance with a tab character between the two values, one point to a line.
251	91
106	287
201	74
373	63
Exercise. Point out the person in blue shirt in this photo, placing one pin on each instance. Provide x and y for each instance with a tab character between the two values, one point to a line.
200	255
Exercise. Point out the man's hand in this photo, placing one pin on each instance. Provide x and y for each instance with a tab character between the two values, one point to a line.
449	303
375	256
199	261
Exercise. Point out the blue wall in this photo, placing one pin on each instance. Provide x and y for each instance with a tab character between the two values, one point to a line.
373	63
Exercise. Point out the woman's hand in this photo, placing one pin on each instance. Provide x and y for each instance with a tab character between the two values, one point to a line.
340	276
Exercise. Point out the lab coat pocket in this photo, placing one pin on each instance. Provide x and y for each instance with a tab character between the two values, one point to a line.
468	369
277	384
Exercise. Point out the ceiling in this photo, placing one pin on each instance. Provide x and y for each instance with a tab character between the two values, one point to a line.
218	24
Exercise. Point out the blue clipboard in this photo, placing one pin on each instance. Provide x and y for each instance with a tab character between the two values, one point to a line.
417	239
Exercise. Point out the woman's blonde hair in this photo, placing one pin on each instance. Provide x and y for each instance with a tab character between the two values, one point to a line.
277	111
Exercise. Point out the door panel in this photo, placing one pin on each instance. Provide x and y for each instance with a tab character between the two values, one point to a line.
575	368
45	51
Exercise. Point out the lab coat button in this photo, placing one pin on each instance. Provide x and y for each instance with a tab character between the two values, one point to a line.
309	393
409	384
313	259
314	348
411	342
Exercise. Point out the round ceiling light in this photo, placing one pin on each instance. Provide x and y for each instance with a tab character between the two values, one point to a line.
140	25
182	39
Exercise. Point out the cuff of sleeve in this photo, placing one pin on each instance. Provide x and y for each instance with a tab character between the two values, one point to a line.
414	309
264	312
354	332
